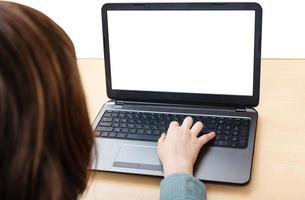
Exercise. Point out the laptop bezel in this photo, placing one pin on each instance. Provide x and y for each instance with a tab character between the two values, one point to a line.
185	98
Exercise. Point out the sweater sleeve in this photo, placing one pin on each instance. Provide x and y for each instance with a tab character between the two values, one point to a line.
180	186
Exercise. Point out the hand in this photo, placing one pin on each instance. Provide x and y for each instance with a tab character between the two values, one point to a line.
179	148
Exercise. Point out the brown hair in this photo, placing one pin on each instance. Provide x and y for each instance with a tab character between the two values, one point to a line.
45	133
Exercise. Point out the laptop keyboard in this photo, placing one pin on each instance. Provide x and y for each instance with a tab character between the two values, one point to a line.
230	132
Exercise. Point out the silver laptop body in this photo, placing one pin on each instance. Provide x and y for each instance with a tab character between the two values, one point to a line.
171	59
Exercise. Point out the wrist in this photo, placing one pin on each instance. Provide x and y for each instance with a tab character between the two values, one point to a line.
177	168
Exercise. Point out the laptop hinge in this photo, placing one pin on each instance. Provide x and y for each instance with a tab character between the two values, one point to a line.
119	103
241	109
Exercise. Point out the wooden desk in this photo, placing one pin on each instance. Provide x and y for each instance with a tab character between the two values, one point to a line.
279	158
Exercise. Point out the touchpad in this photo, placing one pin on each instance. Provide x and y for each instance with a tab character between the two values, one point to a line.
138	157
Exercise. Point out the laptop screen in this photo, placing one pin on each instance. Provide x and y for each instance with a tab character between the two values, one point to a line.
183	51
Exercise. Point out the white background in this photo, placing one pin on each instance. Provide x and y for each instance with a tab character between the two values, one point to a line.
283	24
186	46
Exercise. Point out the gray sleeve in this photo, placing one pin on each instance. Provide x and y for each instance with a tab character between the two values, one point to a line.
180	186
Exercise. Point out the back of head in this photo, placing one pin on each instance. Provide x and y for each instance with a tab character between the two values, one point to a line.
45	132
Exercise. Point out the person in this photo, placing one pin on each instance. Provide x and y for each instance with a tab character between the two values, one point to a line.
45	132
46	140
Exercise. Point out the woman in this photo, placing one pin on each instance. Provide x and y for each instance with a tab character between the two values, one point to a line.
45	133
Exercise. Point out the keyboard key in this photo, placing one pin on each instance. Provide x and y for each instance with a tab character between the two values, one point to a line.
229	121
123	125
121	135
161	123
123	120
117	130
114	115
220	121
140	131
147	122
98	133
139	121
107	114
146	127
115	125
154	127
130	125
225	137
234	138
220	143
235	133
104	128
105	123
106	119
124	130
218	137
242	144
121	115
156	132
143	137
132	131
163	128
233	144
244	131
138	126
148	132
237	122
219	127
112	134
104	134
131	121
243	139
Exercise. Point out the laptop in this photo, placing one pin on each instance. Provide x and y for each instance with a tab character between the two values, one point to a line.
166	61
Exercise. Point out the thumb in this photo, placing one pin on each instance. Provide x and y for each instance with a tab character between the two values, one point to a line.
162	138
206	138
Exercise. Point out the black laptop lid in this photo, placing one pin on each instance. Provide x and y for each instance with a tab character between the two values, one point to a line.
196	53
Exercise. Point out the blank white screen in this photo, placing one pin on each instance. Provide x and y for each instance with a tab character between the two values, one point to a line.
208	52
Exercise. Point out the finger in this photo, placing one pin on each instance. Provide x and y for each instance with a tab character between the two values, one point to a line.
198	126
162	138
187	123
173	124
206	138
